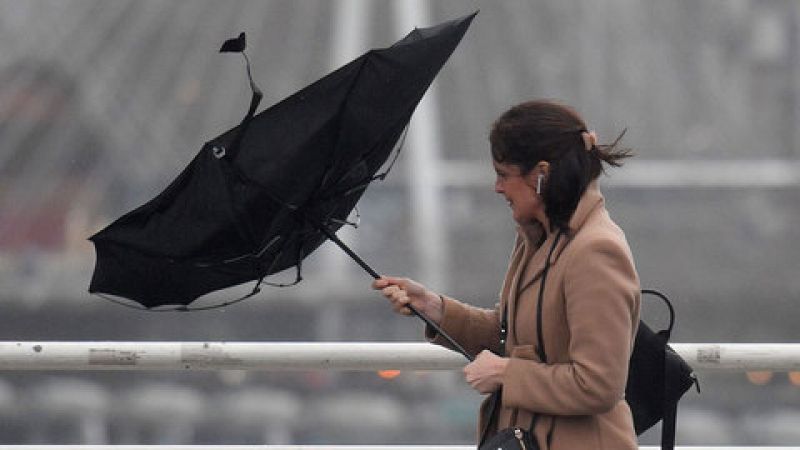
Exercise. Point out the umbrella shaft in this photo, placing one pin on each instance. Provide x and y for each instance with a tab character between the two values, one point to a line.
335	239
332	236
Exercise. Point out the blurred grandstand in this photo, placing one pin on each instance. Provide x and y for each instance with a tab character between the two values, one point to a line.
102	103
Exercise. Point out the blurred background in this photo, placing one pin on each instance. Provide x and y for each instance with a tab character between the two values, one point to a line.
102	103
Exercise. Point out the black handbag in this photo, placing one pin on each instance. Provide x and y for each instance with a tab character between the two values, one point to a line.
514	438
657	378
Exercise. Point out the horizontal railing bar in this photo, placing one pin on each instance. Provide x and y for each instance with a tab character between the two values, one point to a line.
354	356
325	447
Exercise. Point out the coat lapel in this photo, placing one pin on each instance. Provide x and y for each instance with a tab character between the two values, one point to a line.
524	278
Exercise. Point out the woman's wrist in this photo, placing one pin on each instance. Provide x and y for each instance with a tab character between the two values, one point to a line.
435	306
502	364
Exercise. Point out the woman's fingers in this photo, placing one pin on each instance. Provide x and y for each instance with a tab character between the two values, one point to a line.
392	289
384	281
380	283
405	294
399	299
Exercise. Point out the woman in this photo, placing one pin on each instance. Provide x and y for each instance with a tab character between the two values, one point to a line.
564	372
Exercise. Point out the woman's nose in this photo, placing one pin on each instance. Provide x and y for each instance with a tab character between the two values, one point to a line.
498	187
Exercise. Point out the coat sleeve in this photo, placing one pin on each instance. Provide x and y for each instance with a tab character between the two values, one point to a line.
601	291
473	328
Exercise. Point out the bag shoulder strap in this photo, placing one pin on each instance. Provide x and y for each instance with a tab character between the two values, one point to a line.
670	408
495	400
540	348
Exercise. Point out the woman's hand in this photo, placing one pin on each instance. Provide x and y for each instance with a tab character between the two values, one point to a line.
403	291
485	374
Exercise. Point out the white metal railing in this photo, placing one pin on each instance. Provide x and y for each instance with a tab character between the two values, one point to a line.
356	356
283	356
323	447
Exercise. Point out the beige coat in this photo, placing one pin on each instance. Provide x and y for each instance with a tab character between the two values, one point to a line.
590	315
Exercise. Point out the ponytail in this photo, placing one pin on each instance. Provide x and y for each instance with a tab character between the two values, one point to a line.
610	154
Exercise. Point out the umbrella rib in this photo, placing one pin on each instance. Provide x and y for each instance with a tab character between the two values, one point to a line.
266	247
121	303
381	176
400	145
298	266
241	257
353	224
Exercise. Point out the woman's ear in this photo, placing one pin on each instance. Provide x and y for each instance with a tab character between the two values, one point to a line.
544	168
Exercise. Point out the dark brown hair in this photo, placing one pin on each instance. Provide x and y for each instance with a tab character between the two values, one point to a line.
543	130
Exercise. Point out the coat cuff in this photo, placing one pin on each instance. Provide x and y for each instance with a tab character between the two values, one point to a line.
475	329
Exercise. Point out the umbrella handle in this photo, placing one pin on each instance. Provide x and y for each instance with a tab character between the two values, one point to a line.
332	236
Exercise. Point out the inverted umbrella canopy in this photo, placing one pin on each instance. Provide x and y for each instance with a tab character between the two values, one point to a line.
260	197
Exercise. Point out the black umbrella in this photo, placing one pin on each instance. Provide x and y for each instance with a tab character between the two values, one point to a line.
260	197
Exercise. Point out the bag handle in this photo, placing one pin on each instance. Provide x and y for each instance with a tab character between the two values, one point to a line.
668	332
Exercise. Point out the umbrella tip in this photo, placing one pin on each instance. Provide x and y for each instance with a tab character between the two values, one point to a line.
235	45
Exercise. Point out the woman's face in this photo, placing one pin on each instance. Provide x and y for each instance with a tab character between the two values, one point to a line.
519	190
